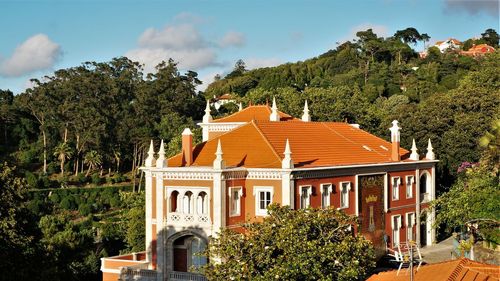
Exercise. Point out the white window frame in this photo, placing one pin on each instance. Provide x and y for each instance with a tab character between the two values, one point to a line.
234	212
308	189
256	193
395	187
396	232
328	187
347	185
410	224
410	180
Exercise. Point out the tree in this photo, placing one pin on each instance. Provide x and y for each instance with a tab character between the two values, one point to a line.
238	70
474	196
92	159
306	244
17	236
408	35
491	37
63	152
491	143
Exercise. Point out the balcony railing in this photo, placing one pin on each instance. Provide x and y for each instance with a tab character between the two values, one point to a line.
185	276
135	274
188	219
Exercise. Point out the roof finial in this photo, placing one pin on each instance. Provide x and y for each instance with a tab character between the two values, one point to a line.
207	118
306	117
274	112
240	107
219	163
161	162
414	154
430	153
287	162
151	158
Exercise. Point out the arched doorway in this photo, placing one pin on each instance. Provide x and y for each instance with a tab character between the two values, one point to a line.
185	252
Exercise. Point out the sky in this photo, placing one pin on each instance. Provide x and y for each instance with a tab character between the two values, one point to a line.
40	36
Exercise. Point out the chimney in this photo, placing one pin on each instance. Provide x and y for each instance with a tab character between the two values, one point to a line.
187	146
395	141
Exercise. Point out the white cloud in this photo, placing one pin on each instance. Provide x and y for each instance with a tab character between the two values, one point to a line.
36	53
181	42
252	63
380	30
232	38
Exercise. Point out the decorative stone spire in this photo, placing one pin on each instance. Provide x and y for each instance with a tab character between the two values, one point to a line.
306	117
414	154
219	163
274	112
287	162
395	135
240	107
150	160
430	153
161	162
207	118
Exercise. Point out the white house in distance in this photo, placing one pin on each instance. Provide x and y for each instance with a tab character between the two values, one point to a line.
448	44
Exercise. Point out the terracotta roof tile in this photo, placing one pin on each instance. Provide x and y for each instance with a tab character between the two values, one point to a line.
254	112
260	144
453	270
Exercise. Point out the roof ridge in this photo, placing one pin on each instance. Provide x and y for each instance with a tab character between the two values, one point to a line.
331	129
266	140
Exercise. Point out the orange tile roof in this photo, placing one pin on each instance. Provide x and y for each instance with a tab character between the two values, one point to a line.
260	144
254	112
454	270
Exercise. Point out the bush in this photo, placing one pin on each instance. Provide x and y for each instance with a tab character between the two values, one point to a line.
66	204
81	178
31	179
54	198
85	209
96	179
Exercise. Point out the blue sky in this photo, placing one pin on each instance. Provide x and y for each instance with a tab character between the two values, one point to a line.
40	36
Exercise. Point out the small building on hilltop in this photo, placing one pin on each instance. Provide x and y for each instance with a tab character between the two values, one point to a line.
451	44
259	156
478	50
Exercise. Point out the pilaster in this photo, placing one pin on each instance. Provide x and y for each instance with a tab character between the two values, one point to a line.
149	206
160	235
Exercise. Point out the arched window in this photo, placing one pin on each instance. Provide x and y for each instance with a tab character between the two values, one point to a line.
173	201
187	201
423	183
202	203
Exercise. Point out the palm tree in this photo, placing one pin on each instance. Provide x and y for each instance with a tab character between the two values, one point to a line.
63	151
491	142
93	159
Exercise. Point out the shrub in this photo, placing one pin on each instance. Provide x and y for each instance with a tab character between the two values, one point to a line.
96	179
54	198
65	204
85	209
81	178
31	179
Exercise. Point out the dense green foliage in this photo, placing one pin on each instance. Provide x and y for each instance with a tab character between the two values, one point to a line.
448	98
305	244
